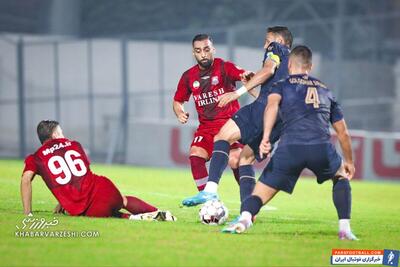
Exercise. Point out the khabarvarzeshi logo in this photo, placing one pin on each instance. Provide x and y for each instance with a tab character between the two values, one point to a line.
40	227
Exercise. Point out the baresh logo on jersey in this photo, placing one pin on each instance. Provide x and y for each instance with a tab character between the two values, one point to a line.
208	98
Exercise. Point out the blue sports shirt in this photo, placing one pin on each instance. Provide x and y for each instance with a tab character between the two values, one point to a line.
307	108
280	54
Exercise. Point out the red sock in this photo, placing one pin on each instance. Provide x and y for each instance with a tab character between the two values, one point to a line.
236	174
136	206
124	215
199	171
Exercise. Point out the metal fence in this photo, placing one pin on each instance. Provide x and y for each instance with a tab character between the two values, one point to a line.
94	87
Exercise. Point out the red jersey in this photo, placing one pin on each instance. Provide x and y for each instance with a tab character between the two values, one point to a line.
64	167
207	86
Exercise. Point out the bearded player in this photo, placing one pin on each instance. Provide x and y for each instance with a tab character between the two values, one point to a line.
65	168
207	81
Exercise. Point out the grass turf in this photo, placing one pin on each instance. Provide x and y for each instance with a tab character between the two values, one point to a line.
302	230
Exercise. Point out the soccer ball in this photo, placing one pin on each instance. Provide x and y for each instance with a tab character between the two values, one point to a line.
213	212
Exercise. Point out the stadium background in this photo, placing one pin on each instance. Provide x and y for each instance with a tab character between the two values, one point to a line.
107	70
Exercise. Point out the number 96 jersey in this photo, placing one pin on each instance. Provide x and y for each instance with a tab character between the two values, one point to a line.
64	167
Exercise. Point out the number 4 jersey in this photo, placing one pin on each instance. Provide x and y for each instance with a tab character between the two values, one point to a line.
64	167
306	109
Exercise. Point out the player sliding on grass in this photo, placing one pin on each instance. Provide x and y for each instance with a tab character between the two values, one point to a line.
307	108
65	168
208	80
246	125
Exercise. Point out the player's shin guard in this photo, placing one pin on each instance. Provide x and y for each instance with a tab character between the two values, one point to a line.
342	198
219	160
247	181
136	206
252	205
199	171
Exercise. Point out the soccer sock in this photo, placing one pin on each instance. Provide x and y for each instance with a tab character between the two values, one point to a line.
219	161
247	181
121	215
252	205
344	225
136	206
246	218
342	198
124	215
199	171
237	175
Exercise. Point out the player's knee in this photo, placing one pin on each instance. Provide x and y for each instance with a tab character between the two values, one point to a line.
234	160
247	157
220	136
229	132
124	201
198	152
246	161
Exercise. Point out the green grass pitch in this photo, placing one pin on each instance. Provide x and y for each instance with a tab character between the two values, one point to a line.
300	231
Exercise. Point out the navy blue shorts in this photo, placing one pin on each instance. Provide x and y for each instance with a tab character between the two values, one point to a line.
250	120
288	161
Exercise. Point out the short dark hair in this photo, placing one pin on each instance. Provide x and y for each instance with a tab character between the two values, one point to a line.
45	129
201	37
284	33
303	54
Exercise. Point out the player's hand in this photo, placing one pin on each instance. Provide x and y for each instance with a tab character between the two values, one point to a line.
183	117
349	169
246	76
59	209
227	98
265	147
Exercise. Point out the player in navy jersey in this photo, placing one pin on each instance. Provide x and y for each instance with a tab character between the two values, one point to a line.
206	81
307	108
65	168
246	125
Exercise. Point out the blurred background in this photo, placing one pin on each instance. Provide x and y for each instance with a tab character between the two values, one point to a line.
107	70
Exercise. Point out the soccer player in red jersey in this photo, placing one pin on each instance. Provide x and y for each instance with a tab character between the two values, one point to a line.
65	168
209	79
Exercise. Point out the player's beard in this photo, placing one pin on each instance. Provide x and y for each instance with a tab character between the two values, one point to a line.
205	63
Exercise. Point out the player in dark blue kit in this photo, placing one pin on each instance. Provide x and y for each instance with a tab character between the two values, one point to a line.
247	124
307	108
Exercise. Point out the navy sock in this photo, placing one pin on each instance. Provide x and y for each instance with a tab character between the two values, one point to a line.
237	175
342	198
247	181
219	160
252	204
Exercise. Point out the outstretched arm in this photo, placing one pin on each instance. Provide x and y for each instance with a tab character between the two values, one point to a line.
26	191
245	77
343	135
180	112
259	78
270	114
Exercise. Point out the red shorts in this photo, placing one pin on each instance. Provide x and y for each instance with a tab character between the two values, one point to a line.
204	138
107	199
